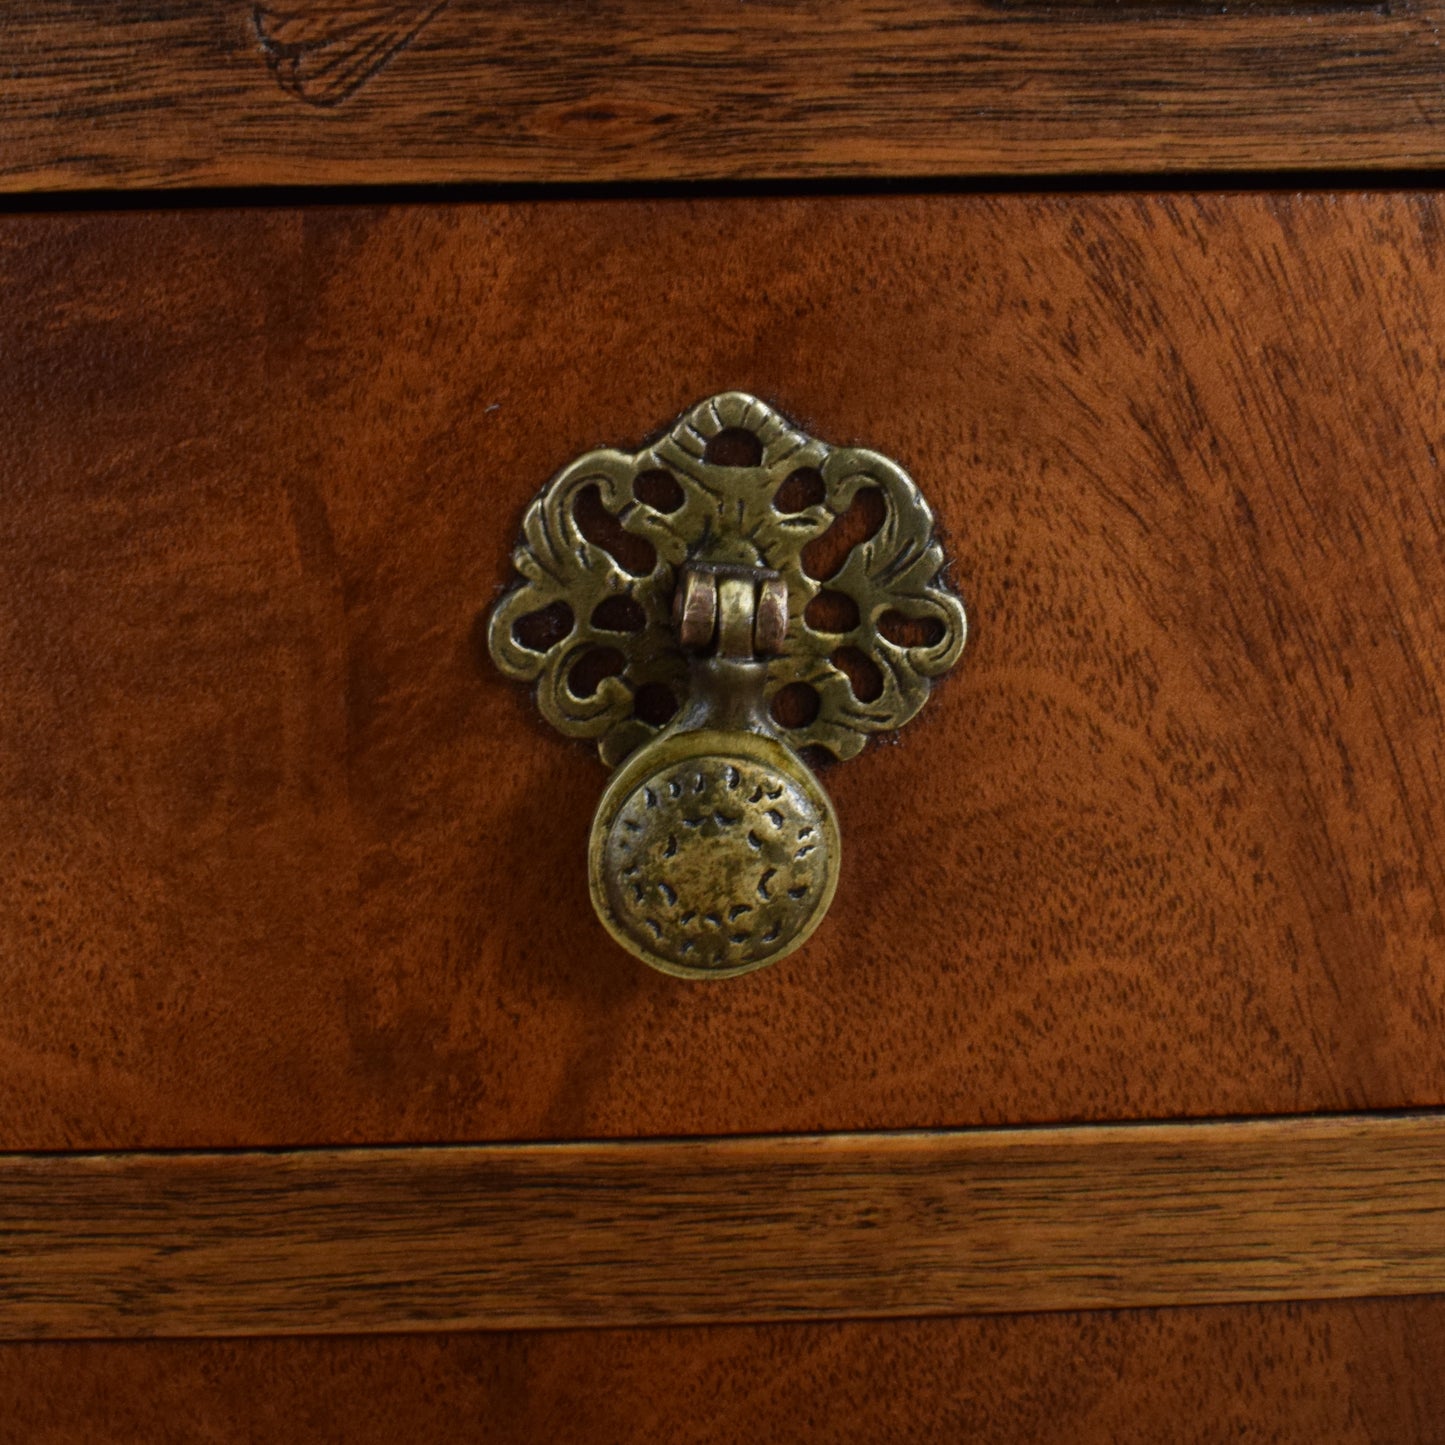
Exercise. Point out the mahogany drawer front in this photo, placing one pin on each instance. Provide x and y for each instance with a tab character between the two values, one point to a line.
1351	1373
287	862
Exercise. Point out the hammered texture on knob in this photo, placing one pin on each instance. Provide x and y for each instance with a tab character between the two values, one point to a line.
717	863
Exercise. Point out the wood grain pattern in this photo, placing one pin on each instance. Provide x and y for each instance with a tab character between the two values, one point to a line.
323	53
121	93
831	1227
284	861
1355	1373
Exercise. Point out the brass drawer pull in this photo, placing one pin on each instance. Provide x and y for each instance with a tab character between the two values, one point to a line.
707	608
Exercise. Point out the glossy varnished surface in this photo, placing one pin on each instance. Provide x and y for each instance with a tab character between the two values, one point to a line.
345	1241
1167	844
127	93
1353	1374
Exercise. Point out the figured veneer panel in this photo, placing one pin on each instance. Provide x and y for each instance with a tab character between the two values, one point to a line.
719	1231
284	861
1354	1373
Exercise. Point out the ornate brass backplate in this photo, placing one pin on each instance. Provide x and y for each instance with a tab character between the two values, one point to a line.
715	849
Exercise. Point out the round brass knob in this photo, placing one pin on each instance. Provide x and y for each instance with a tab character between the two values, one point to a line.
713	853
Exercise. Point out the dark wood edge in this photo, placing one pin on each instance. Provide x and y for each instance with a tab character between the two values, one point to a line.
122	94
731	1230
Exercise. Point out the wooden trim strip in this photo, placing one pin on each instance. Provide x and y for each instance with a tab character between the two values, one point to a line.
610	1234
127	93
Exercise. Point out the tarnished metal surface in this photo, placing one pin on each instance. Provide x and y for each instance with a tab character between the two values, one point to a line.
713	859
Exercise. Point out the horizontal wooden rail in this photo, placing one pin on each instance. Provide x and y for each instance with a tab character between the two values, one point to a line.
503	1236
128	93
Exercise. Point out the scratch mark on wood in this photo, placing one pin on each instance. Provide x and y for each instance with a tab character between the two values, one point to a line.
323	54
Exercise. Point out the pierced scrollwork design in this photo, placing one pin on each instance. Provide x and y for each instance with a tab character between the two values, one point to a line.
732	483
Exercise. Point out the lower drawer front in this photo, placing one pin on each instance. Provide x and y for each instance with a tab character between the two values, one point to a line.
1350	1374
287	862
